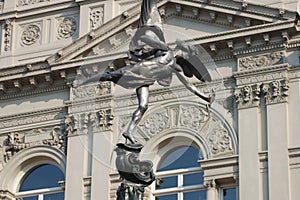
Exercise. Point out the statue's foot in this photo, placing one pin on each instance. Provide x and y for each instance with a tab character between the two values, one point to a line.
129	136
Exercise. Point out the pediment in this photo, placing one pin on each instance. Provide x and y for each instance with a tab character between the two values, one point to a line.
186	20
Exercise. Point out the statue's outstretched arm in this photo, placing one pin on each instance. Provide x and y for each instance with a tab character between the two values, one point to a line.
191	87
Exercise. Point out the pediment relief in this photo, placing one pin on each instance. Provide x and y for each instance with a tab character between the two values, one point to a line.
189	18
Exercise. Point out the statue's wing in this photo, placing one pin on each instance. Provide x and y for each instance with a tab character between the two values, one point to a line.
193	66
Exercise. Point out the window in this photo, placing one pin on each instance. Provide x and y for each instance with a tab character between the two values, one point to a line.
181	176
228	193
42	183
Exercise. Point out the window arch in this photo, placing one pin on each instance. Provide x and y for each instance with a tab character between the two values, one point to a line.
180	175
42	183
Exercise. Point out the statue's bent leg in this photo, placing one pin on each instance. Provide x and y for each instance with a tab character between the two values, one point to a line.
143	99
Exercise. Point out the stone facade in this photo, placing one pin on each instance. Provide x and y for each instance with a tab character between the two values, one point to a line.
250	139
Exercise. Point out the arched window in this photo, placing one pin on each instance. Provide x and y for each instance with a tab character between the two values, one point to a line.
42	183
181	175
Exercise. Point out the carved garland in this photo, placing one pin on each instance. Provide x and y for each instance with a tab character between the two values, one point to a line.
31	34
67	28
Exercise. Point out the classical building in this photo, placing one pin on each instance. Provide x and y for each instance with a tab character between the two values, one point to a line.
58	142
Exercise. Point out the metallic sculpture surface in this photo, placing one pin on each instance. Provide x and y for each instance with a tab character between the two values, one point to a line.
149	60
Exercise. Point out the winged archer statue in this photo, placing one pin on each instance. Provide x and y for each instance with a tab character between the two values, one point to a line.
151	60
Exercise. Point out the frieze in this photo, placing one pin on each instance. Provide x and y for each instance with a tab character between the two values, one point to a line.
96	17
248	96
260	61
66	28
276	91
92	91
31	118
31	34
29	2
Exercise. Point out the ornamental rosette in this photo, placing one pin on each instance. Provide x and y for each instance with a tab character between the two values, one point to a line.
30	35
67	28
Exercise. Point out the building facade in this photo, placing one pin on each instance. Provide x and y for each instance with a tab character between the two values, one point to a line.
247	147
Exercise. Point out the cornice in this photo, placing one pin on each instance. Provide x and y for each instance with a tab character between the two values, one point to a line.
231	7
219	162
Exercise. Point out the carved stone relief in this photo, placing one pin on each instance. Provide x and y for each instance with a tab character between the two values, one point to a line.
96	17
8	34
66	28
248	96
265	60
29	2
219	141
16	141
187	117
92	91
31	34
274	92
79	123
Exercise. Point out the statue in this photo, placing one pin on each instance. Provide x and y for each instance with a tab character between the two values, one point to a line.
151	60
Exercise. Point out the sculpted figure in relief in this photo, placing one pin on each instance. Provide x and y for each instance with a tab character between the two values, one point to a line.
151	60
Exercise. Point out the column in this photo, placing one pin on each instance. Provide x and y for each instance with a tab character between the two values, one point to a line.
211	193
248	98
277	123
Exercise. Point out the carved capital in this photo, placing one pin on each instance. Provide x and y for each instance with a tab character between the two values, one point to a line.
210	184
101	120
248	96
259	61
6	195
276	91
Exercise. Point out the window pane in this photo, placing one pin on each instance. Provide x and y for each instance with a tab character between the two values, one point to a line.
167	197
57	196
229	194
168	182
29	198
193	179
45	176
183	157
199	195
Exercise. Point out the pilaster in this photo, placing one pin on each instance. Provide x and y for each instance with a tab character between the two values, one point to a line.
276	94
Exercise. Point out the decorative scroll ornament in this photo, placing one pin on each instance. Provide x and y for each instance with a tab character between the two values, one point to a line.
96	17
193	117
29	2
31	34
256	62
67	28
15	142
8	34
248	96
219	141
276	91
